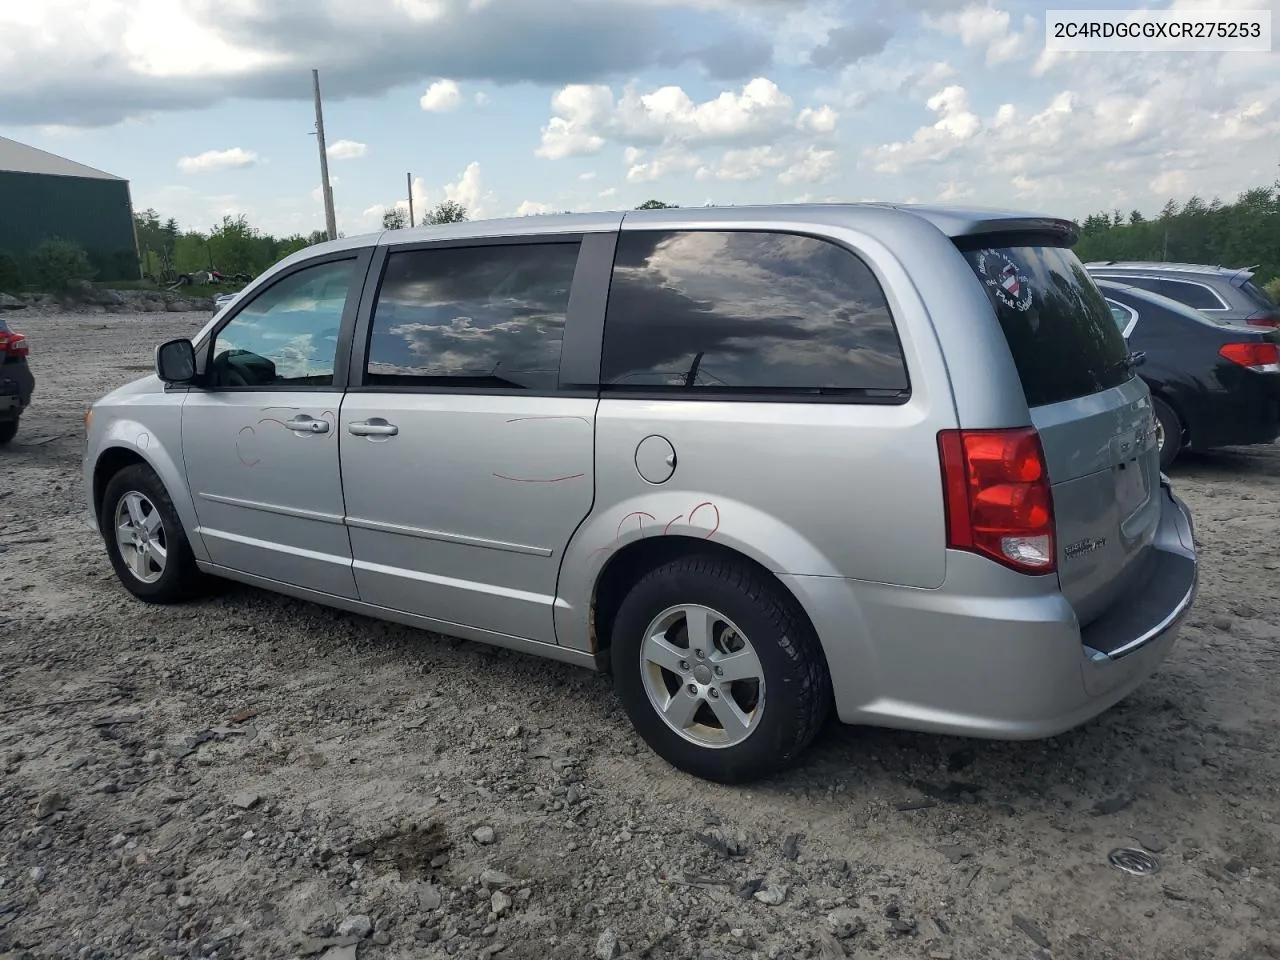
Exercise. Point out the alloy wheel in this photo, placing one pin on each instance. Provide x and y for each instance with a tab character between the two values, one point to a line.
702	676
140	535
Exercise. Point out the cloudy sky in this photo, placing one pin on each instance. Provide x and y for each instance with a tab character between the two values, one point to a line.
521	106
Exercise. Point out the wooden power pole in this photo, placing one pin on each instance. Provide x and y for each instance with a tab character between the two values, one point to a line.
330	218
408	178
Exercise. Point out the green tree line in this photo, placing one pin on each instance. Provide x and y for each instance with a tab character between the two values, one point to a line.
1245	233
233	246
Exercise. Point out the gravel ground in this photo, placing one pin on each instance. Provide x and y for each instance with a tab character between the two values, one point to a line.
257	777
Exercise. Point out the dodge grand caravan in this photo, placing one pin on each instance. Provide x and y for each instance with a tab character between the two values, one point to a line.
757	463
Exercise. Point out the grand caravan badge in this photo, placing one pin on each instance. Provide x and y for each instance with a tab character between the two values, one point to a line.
1004	279
1083	547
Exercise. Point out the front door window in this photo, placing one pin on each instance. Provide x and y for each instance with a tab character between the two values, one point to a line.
288	334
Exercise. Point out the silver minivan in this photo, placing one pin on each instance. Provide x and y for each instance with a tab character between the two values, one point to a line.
755	462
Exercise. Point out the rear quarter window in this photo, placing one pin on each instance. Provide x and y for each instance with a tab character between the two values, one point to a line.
1062	335
1255	294
710	313
1195	295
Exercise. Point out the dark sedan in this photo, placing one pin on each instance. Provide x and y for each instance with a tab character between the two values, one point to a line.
1214	384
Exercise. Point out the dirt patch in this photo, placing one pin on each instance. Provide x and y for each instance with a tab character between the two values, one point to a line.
249	776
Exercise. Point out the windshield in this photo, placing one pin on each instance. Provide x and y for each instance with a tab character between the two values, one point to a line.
1064	339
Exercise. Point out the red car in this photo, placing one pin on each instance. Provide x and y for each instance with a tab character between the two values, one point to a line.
16	380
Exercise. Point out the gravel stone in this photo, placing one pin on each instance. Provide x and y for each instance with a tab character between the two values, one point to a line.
49	804
359	926
773	895
500	903
607	946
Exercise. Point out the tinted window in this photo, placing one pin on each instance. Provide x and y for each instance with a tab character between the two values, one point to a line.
485	316
1142	283
1192	294
702	310
288	334
1119	314
1063	337
1257	295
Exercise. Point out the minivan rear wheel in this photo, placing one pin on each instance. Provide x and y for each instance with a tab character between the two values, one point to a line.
8	430
718	669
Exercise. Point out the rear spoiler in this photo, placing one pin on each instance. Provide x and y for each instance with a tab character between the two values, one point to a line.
1017	231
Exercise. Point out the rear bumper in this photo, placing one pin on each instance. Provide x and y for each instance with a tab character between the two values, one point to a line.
17	383
995	655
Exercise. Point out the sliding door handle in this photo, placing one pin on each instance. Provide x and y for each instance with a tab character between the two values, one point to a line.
373	427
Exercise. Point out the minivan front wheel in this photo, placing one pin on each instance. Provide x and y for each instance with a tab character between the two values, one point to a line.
718	669
144	538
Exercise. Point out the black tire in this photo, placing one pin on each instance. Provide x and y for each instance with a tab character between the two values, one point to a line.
1172	428
797	685
180	579
8	430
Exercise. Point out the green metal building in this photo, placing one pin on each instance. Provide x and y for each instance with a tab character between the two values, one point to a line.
44	196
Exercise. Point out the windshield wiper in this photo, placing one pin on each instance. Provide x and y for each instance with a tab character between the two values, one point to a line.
1132	361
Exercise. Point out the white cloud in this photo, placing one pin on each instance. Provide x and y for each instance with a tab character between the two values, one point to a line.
1117	132
643	168
468	190
821	120
587	117
987	27
347	150
750	163
956	124
587	176
934	76
441	97
813	166
210	160
530	208
580	109
609	194
1173	183
953	191
481	99
668	114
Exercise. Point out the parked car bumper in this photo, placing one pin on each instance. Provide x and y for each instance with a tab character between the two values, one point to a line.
17	384
994	655
1246	415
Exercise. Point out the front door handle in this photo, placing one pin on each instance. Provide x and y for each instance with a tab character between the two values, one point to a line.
307	424
373	427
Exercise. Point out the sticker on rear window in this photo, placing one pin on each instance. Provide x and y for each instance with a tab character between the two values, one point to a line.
1001	274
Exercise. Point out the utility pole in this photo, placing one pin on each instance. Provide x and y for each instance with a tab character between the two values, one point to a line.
331	220
408	178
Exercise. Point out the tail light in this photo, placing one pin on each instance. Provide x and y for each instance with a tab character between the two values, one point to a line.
1259	356
13	345
1271	321
998	499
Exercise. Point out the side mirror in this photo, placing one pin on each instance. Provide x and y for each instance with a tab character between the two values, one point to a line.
176	361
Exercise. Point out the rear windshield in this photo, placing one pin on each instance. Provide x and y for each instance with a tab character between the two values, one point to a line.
1061	333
